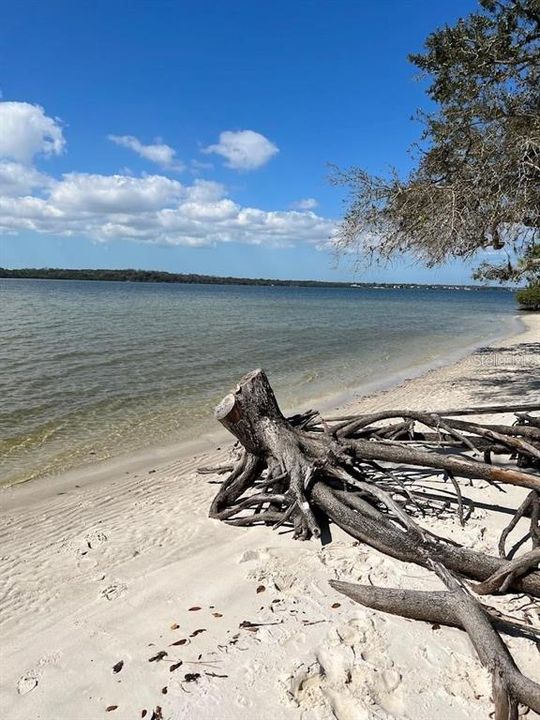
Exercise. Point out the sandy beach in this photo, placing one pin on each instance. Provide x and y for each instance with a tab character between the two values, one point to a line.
120	599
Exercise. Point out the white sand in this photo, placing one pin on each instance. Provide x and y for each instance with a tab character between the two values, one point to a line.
101	566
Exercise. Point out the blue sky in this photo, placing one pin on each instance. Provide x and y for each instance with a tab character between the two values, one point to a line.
195	136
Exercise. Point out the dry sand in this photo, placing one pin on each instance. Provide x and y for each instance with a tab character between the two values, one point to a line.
117	564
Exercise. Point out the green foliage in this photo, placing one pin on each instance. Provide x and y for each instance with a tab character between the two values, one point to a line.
529	297
476	183
150	276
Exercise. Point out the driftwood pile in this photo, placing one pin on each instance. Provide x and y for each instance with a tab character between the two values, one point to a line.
307	472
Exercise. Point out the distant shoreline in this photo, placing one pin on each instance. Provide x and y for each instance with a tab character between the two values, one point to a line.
159	276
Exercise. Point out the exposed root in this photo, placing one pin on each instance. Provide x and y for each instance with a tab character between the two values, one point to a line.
502	579
304	470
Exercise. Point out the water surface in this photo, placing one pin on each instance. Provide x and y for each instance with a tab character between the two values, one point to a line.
90	370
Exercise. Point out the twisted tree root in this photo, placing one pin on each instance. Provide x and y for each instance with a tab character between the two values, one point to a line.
303	470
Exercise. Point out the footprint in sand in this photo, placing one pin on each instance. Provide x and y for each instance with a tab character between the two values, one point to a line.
94	538
111	592
83	543
352	676
26	683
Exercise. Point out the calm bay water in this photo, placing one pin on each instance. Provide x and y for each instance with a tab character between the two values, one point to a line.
90	370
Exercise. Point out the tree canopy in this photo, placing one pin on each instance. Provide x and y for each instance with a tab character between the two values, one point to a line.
475	185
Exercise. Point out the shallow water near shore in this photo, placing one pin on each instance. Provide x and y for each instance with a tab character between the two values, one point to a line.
90	370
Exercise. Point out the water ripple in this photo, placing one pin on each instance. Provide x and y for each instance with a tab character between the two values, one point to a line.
90	370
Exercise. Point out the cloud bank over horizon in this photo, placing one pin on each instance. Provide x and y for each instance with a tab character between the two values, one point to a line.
146	208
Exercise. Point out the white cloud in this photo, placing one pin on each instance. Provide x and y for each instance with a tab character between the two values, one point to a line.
151	209
305	204
18	179
90	193
159	153
205	191
243	150
155	210
25	131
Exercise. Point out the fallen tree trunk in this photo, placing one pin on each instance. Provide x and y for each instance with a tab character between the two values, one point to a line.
304	472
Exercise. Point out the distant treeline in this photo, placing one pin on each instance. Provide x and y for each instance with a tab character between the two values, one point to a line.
160	276
152	276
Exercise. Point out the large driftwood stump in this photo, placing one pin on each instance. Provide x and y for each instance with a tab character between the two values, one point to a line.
304	471
291	456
